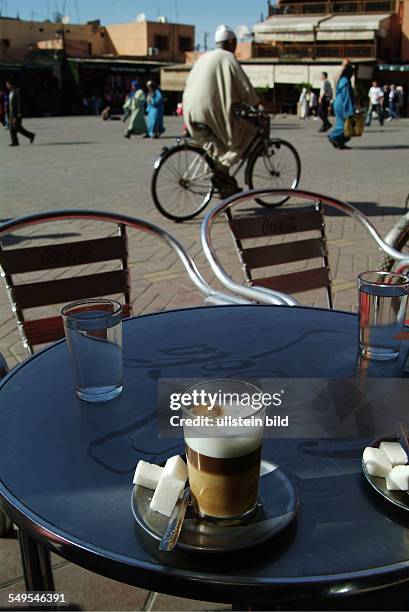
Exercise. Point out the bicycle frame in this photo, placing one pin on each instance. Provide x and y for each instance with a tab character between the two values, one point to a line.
261	135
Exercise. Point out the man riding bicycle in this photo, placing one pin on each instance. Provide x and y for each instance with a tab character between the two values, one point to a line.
217	85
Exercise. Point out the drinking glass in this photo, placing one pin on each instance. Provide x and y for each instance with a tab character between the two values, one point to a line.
93	329
223	461
383	300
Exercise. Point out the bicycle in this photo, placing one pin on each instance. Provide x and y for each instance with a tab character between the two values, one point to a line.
182	181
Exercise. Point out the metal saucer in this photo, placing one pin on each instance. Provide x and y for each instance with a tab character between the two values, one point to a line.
278	506
397	498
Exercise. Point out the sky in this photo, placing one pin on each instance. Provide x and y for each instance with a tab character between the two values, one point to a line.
206	15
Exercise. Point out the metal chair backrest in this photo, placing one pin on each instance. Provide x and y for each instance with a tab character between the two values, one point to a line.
264	295
24	296
280	223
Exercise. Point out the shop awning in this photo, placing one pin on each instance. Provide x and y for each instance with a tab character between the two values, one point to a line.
260	76
354	27
287	29
173	78
293	28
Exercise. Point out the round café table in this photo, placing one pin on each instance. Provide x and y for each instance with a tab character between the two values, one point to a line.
67	466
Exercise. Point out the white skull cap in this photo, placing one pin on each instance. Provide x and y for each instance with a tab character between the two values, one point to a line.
224	33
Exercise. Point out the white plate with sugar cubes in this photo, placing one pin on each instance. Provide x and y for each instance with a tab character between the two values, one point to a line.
158	489
385	465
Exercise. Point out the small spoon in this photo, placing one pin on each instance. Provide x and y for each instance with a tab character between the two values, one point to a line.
171	536
403	439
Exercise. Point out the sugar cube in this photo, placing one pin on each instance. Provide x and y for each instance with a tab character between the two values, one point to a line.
376	462
176	467
398	478
395	452
166	494
147	474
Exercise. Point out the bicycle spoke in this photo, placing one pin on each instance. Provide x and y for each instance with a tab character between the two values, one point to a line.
276	168
169	168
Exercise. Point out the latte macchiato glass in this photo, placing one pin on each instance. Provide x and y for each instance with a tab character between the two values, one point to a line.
223	439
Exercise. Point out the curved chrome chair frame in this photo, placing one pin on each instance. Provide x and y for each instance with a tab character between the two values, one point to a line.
134	223
266	296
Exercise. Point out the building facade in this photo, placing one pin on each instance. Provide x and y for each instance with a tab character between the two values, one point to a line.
61	65
301	39
362	30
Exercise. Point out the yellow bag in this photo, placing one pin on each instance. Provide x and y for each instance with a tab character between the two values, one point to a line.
354	125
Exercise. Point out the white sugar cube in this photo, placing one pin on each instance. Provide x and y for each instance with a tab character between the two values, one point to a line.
147	474
376	462
176	467
166	494
398	478
395	452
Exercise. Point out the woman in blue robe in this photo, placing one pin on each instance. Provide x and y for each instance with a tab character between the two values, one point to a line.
344	107
155	110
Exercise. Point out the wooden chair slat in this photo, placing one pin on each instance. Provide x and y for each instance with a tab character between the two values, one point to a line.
41	331
276	254
33	295
49	257
276	224
296	282
50	329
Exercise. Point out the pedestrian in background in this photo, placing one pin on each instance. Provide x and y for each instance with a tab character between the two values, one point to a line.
85	105
2	108
385	103
324	101
344	106
155	110
16	116
313	103
134	108
393	103
375	95
6	109
303	106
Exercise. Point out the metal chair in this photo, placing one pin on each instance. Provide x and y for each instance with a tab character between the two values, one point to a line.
25	296
277	222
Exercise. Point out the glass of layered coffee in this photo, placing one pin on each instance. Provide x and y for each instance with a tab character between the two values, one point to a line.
223	432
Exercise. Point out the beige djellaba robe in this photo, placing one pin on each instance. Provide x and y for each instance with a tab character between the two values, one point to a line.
215	84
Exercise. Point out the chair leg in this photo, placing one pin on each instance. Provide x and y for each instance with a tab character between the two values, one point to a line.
36	563
6	526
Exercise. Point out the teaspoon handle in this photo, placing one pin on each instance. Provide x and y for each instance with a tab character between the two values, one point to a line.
171	535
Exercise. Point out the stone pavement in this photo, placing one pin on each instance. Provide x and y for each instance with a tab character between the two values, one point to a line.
82	162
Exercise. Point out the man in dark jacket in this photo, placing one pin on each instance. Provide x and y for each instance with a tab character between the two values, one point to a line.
16	117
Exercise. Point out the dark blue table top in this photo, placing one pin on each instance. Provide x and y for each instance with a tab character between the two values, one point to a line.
66	466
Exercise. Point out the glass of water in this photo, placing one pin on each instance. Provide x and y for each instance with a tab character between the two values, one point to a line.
93	329
383	299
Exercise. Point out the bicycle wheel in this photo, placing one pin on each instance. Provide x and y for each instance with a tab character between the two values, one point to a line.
181	184
274	165
398	238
